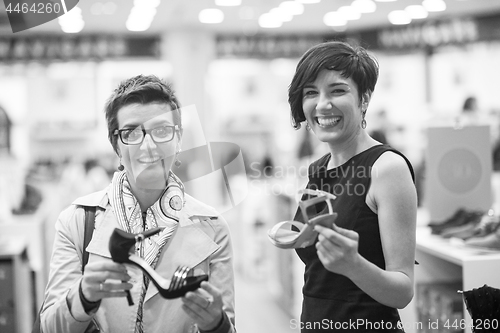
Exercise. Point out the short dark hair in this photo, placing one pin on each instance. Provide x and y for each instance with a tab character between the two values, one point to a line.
351	61
140	89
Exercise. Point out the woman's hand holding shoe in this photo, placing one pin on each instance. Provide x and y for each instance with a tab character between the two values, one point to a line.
204	306
337	249
95	285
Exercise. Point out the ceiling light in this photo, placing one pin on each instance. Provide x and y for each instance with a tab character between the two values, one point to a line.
349	13
267	20
434	5
281	15
228	3
292	7
309	1
399	17
364	6
416	12
137	25
72	21
211	16
334	19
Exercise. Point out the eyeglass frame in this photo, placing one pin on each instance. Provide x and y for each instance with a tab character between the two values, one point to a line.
118	132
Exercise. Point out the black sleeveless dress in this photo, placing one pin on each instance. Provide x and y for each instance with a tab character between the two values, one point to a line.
332	302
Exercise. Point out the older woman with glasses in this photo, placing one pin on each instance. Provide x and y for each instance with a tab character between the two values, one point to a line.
144	198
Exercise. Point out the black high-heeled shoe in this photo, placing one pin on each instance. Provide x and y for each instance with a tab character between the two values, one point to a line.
120	244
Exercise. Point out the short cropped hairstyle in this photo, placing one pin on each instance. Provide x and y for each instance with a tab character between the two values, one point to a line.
140	89
351	61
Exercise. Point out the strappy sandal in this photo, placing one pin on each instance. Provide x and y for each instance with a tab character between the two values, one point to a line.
294	234
182	280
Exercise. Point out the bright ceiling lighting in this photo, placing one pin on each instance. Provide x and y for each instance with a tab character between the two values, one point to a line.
309	1
416	12
399	17
268	20
349	13
281	15
137	25
228	3
72	22
386	0
292	7
211	16
364	6
142	14
334	19
434	5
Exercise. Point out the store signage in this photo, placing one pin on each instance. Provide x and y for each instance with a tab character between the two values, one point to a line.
264	46
76	48
432	34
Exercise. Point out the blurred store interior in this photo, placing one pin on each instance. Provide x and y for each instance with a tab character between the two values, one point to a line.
230	63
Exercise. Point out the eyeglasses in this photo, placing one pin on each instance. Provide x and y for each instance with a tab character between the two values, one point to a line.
135	136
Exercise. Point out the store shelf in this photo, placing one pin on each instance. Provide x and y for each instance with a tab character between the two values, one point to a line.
451	250
447	260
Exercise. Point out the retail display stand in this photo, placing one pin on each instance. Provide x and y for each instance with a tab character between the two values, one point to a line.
441	260
16	300
458	170
458	175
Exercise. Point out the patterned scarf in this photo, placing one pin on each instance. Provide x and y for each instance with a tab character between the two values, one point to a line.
163	213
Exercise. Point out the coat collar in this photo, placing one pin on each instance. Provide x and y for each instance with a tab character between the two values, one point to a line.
192	206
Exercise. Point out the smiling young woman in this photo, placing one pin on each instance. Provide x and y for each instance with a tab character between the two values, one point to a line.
360	268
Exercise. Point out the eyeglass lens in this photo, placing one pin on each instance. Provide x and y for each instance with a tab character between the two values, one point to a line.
136	136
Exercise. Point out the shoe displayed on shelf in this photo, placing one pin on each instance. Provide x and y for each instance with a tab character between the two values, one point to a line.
120	245
490	241
295	234
463	231
460	218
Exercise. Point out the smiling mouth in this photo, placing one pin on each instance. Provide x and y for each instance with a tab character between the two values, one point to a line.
328	121
149	159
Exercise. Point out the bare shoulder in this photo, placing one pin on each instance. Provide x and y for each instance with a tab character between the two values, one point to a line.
390	164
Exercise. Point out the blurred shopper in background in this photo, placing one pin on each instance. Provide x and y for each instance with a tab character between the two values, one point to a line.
145	130
360	270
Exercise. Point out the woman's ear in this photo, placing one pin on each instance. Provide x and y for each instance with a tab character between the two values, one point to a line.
365	100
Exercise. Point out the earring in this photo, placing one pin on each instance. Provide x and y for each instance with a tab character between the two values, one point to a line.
363	123
121	167
308	127
177	161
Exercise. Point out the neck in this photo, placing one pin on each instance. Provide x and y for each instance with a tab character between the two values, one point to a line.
146	197
343	151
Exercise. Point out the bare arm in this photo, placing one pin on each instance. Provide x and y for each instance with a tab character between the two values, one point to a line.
392	196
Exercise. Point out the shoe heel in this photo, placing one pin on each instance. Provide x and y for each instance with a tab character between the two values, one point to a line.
121	242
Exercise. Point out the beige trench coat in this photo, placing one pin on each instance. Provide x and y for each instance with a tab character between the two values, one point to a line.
201	241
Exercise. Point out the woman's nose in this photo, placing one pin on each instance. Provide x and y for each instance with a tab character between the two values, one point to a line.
148	142
324	103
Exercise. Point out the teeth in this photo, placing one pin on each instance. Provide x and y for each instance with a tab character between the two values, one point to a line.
149	159
328	121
